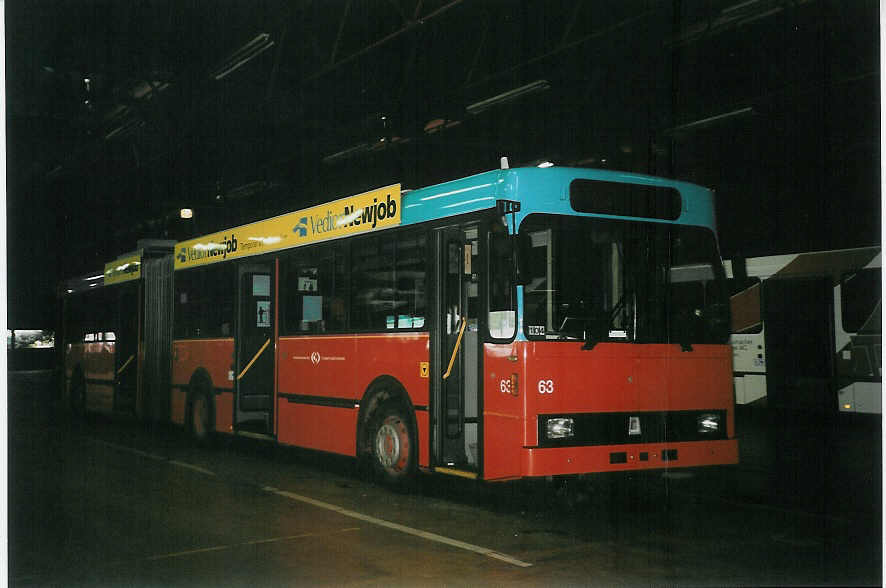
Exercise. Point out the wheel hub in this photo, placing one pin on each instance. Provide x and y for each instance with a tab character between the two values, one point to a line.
392	444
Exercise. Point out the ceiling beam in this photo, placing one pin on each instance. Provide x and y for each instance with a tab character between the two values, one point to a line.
384	40
341	28
565	46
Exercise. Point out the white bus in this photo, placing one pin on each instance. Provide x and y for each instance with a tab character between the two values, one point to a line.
806	330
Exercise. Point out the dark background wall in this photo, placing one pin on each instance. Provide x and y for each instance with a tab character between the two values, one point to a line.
774	104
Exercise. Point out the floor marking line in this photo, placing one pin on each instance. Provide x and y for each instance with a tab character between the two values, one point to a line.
302	536
244	544
133	450
189	552
156	457
402	528
192	467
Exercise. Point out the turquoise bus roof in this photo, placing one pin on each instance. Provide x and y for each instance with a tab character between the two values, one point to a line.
542	190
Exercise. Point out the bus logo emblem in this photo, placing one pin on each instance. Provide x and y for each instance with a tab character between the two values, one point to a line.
301	229
634	425
315	358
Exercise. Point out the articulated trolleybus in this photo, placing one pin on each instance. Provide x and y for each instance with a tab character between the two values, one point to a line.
516	323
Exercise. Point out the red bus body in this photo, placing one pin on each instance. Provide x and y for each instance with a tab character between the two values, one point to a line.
611	378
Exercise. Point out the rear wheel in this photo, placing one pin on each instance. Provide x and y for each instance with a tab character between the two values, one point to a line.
394	448
201	418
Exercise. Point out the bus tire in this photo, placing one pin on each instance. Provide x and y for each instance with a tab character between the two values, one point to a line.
201	410
77	393
393	445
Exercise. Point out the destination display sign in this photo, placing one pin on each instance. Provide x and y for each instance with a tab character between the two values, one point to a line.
370	211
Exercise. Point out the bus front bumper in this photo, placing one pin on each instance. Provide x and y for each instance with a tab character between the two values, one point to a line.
557	461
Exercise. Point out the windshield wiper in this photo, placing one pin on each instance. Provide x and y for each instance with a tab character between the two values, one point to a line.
590	340
599	330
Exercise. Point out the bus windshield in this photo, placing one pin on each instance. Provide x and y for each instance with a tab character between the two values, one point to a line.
599	279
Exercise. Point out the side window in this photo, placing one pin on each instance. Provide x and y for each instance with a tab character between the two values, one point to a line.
744	304
221	283
91	313
186	307
204	302
382	285
389	282
410	276
861	362
472	271
315	291
372	291
335	303
860	295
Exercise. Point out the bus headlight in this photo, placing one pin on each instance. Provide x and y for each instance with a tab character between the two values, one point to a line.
559	428
708	423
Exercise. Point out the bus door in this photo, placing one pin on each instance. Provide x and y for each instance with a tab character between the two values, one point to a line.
456	406
127	337
254	344
799	330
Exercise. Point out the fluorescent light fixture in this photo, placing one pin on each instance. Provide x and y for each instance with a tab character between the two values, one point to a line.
125	128
244	54
142	89
346	153
249	189
186	213
532	88
711	120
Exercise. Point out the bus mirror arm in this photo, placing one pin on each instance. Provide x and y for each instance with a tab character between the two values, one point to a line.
512	207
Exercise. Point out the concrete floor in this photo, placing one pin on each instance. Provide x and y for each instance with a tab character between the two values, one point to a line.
101	503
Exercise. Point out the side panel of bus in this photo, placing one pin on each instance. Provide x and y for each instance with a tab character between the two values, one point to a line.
322	380
215	357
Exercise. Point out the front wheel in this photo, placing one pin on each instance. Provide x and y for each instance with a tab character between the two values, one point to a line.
394	447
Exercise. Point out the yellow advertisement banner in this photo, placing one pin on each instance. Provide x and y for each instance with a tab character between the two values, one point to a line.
362	213
124	269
